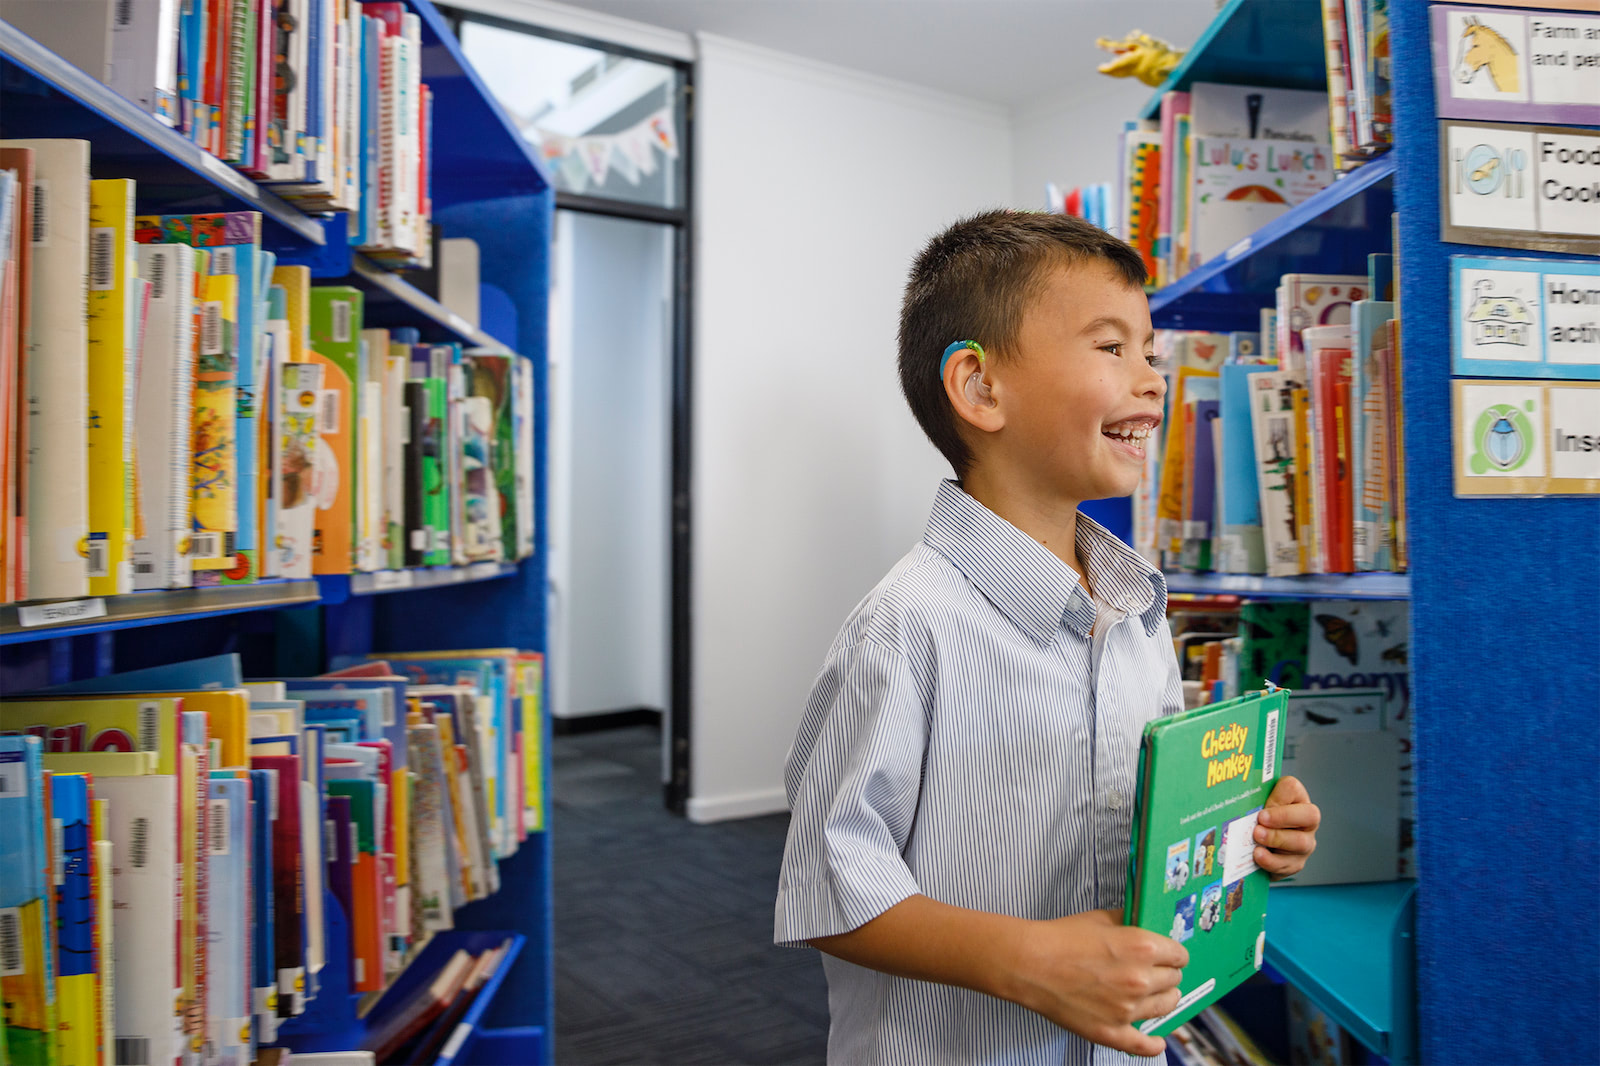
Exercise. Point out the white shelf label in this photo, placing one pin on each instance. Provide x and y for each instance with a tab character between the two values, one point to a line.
481	571
384	580
45	614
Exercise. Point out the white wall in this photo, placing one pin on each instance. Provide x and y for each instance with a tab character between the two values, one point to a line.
1071	138
815	187
611	466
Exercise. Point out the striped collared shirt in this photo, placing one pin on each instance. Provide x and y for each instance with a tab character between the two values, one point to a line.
973	737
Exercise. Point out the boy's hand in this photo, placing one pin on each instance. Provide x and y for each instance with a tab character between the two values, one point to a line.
1286	831
1095	976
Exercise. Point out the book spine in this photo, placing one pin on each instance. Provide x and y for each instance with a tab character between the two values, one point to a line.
245	567
1334	47
335	321
166	389
144	68
214	451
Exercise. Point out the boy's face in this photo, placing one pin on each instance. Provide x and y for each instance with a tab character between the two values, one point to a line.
1079	398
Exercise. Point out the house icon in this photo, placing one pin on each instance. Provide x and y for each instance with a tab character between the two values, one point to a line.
1498	319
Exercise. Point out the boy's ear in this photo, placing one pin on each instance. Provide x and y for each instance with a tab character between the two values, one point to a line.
971	391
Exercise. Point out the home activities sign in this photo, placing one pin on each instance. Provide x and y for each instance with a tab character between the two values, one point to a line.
1520	186
1540	66
1526	438
1525	318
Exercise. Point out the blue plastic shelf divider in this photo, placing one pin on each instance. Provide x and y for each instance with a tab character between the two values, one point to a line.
172	171
1273	43
1349	948
1374	586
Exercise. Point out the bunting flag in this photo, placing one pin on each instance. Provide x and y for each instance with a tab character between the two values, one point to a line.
631	153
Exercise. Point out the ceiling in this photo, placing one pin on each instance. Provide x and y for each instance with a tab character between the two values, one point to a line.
1010	52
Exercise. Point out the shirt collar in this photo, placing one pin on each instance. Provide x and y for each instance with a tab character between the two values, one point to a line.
1029	584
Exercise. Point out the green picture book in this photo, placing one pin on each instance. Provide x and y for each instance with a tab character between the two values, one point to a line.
1204	775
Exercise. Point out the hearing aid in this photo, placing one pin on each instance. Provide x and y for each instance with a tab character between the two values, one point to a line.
977	391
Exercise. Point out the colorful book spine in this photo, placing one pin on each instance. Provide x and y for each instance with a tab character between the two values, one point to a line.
165	399
77	996
27	933
263	937
111	377
215	458
335	322
299	397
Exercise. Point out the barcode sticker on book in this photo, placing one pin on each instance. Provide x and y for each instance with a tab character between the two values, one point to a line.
156	269
341	322
99	554
139	843
328	409
211	327
217	826
149	727
330	838
225	260
12	961
59	843
205	545
133	1050
41	213
1269	768
102	265
124	14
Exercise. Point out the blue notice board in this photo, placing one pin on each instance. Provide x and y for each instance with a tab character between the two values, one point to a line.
1525	318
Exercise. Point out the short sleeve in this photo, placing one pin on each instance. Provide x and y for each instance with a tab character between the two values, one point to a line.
853	780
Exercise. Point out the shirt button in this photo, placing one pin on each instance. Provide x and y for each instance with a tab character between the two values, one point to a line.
1114	800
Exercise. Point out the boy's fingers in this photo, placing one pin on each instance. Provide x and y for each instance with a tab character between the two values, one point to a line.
1291	816
1134	1042
1291	840
1274	863
1289	789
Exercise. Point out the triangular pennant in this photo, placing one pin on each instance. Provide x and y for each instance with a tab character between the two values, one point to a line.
638	144
665	131
596	154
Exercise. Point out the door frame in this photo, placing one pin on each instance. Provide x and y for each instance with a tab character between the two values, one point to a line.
681	517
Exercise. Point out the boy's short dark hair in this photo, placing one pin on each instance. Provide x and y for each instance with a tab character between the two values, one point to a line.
975	281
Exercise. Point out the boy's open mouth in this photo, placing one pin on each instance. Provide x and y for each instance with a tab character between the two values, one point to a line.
1132	433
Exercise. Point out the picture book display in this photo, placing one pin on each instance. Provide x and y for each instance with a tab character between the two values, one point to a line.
1204	776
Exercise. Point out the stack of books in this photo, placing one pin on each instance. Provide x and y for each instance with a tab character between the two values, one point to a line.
201	828
320	99
1279	454
217	419
1360	98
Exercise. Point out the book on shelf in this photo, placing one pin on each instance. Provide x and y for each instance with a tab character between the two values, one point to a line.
1204	776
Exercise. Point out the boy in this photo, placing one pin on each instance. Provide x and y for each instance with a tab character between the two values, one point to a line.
962	779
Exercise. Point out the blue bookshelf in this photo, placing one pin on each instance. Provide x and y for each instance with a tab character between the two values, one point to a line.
1275	43
487	183
1377	586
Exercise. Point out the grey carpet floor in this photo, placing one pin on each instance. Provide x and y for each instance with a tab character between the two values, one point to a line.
664	928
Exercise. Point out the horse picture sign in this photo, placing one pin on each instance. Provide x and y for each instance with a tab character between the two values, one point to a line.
1516	66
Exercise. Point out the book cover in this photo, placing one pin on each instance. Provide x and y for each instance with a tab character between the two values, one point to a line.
429	876
56	371
288	883
1314	300
490	377
214	450
523	414
227	830
300	445
1368	433
1191	383
1329	375
531	670
1272	423
207	672
275	359
14	413
1204	776
92	724
143	830
104	918
162	415
263	907
1305	483
27	932
1173	106
372	516
1239	185
111	376
1336	53
1257	113
395	431
417	442
335	322
77	994
1144	198
366	927
1243	542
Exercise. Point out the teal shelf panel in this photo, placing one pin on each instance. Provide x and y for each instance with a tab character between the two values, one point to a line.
1377	586
1350	949
1331	233
1273	43
43	95
20	624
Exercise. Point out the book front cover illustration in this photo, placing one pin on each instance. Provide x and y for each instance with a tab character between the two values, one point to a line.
1203	779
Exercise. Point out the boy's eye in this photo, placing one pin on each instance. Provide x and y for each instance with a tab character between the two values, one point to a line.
1114	348
1154	360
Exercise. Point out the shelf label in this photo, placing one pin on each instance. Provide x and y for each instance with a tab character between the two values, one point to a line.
50	614
1526	438
384	580
226	175
481	571
453	1046
1525	318
1520	186
1542	66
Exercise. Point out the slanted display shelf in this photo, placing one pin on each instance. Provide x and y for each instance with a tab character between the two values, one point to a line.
1349	948
1271	43
1373	586
49	97
20	623
336	588
1331	233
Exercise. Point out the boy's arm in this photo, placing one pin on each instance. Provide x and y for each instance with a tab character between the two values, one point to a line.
1086	972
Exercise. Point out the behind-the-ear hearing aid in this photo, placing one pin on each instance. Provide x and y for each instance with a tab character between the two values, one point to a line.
976	389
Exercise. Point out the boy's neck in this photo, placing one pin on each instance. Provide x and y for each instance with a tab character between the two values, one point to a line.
1050	521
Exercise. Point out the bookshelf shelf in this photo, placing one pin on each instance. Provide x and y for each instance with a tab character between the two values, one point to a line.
1375	586
151	608
391	300
1272	43
1349	947
174	174
336	588
1333	233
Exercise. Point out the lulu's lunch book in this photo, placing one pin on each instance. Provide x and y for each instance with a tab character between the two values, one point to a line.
1204	775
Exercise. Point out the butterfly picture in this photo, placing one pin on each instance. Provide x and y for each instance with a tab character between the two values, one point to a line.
1341	634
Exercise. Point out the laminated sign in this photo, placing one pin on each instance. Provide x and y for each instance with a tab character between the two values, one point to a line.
1520	186
1534	66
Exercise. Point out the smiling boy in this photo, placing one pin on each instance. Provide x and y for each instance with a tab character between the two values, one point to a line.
962	781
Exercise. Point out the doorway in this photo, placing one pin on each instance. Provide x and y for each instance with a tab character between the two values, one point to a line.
614	127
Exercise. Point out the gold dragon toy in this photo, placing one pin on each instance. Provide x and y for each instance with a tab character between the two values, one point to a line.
1139	55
